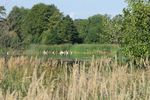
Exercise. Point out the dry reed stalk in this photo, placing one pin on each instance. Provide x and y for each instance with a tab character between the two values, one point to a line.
103	79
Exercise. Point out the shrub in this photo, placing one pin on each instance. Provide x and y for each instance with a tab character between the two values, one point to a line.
136	30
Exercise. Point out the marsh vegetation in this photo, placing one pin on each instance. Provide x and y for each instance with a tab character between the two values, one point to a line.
31	78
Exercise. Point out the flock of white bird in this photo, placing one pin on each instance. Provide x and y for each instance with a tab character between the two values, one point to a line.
55	52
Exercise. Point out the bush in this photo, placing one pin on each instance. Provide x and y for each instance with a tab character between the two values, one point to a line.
136	30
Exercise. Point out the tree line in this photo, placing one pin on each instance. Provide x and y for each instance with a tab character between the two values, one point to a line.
45	24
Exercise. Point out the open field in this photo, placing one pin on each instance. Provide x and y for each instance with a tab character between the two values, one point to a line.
32	78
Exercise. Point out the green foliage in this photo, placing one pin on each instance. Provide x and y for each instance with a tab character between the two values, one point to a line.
115	29
8	39
136	30
2	12
37	21
4	29
95	29
69	33
16	20
61	30
45	24
82	27
4	38
52	35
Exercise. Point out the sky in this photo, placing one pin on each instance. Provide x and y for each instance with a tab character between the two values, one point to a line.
77	9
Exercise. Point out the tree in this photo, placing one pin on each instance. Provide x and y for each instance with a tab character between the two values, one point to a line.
115	29
82	27
37	21
2	12
136	30
131	3
16	19
69	33
95	29
52	35
4	29
61	30
8	39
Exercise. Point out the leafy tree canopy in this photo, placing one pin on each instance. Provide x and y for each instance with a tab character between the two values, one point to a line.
136	29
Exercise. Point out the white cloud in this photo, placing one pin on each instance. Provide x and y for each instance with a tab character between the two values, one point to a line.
72	15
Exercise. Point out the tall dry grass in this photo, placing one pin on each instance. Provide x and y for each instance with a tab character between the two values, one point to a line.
101	79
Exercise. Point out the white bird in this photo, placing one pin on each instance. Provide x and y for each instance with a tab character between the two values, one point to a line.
7	53
53	53
45	53
61	53
66	52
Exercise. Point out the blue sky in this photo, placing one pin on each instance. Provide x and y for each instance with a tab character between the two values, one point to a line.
74	8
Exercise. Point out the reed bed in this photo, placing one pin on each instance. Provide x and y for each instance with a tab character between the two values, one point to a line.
32	78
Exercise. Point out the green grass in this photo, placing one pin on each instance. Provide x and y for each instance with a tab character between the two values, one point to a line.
80	51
